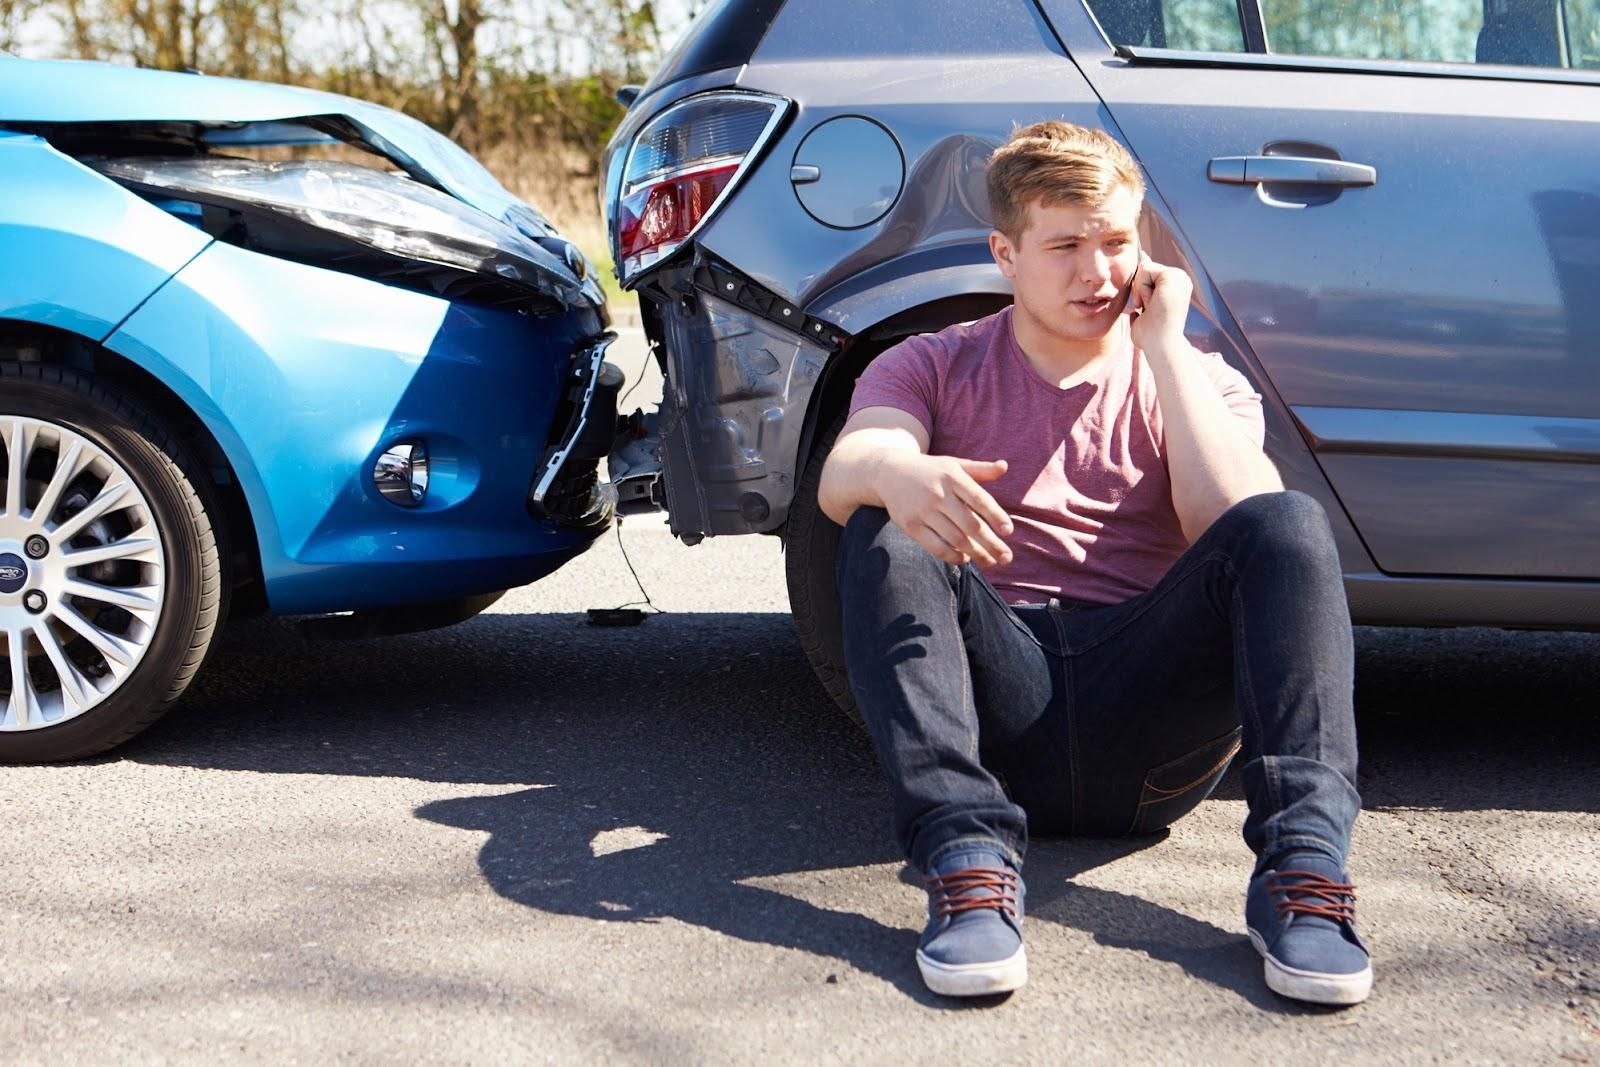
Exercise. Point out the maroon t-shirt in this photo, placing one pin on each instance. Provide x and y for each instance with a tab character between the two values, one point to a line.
1086	484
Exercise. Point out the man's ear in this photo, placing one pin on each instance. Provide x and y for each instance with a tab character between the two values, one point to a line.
1004	255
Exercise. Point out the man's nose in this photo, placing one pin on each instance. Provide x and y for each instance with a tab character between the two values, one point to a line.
1097	268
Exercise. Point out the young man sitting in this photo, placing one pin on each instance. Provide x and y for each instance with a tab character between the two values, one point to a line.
1073	585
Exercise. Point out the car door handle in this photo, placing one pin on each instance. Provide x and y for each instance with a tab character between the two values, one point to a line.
1304	170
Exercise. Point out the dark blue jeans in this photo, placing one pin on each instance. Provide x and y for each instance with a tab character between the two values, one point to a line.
1112	719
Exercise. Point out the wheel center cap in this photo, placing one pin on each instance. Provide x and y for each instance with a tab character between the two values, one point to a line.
13	572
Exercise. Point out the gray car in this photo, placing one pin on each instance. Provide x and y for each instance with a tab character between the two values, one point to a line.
1391	213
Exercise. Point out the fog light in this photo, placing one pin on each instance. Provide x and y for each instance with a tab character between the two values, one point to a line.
401	473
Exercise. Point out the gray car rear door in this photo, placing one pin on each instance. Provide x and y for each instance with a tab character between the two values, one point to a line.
1419	272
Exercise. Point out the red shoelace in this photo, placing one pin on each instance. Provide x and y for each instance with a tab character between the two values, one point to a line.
949	890
1312	894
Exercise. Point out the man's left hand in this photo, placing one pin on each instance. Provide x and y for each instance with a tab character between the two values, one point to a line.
1158	302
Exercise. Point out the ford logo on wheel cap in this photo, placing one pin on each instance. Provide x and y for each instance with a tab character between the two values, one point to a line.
13	572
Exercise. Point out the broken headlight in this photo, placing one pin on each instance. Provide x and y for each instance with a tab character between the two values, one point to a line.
360	220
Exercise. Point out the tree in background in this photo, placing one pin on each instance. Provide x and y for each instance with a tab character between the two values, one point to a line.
13	13
238	38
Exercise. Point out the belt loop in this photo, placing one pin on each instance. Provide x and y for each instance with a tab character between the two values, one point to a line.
1054	606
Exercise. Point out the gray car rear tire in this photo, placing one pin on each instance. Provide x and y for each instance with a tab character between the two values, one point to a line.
811	550
194	591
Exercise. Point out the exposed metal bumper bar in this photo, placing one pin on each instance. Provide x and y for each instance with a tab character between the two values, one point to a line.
741	368
567	487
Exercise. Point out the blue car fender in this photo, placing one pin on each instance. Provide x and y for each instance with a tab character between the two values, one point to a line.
82	252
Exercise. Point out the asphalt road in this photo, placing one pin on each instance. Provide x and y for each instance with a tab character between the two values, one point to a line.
524	839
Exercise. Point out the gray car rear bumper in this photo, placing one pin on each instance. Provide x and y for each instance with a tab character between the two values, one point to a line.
739	381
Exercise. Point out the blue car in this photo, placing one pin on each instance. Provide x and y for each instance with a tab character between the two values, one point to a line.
359	381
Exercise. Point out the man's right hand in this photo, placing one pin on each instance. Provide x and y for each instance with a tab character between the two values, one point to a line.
940	502
881	460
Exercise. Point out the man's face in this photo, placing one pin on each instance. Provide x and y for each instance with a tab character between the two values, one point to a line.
1072	265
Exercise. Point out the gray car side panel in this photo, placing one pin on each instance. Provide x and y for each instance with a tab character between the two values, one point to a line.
1458	287
1211	328
1386	600
945	126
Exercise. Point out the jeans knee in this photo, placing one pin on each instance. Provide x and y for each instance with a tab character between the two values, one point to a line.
869	528
1285	523
863	527
872	545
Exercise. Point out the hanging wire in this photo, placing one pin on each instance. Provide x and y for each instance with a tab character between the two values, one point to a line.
649	350
634	603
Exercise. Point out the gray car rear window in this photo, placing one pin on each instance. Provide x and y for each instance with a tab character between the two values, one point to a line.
1190	25
822	29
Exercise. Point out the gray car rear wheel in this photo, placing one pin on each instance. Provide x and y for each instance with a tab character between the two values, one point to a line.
111	572
811	549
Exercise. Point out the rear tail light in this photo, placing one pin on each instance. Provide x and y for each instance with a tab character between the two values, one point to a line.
682	166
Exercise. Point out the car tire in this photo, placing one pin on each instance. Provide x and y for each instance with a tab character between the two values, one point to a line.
811	552
157	650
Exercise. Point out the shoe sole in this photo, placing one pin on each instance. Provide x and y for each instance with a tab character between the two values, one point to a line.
1313	987
974	979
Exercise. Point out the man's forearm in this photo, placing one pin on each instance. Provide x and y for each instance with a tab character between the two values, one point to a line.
844	487
849	477
1212	463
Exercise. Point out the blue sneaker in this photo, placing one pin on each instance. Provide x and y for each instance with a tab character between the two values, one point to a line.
972	946
1301	918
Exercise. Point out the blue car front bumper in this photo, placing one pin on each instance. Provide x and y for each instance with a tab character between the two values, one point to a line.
305	376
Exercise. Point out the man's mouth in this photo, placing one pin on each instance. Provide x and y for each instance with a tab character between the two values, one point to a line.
1093	306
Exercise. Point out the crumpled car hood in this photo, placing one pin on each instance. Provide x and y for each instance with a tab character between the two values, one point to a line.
52	91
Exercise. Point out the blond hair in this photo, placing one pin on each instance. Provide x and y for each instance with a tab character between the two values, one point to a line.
1055	162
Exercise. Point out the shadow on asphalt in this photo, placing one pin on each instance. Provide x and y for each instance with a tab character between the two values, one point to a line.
706	734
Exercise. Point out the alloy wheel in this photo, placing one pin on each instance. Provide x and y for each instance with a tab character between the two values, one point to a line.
82	573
